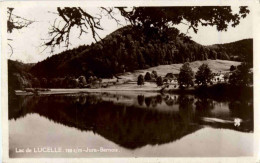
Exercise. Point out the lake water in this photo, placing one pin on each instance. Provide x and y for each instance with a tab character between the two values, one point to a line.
129	124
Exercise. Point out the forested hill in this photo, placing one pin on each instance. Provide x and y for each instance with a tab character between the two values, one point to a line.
238	50
128	49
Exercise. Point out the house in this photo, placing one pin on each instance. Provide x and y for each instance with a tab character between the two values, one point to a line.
171	78
218	77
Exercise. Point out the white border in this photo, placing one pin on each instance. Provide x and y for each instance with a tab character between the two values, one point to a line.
256	38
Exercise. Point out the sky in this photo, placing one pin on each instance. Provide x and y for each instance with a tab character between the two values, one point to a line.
27	42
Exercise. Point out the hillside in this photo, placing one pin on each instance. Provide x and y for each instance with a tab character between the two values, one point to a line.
215	65
19	75
19	67
238	50
128	49
125	53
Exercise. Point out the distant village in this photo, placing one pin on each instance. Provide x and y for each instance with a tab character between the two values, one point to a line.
203	76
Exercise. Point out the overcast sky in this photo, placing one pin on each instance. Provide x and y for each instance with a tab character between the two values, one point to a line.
27	42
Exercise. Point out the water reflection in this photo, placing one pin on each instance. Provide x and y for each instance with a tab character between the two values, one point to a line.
133	121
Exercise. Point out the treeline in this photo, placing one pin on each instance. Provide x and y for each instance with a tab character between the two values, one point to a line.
128	49
19	78
18	75
237	51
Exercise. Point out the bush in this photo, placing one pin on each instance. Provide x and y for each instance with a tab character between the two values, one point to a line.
226	76
82	80
169	75
155	74
72	82
140	80
232	68
147	76
165	80
35	83
17	82
65	82
159	81
44	83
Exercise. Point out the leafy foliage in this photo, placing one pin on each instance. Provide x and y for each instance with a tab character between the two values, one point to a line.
220	16
140	80
154	73
241	76
203	75
159	81
186	75
18	75
152	25
232	68
237	51
147	76
226	76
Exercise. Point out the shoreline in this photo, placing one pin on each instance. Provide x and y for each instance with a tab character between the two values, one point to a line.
100	90
84	90
218	90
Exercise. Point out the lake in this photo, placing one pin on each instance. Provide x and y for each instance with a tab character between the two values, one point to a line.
129	124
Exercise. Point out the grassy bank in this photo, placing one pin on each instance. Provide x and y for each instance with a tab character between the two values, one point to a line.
215	66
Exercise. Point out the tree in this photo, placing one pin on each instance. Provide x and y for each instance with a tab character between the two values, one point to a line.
186	76
35	83
17	82
213	54
140	80
232	68
154	25
73	83
43	82
241	76
220	16
82	81
147	76
159	81
100	81
55	82
15	22
224	56
140	58
226	76
203	75
64	84
154	74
